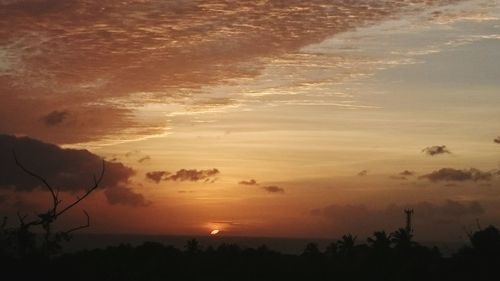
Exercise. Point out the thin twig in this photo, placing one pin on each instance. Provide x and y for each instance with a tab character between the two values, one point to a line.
87	193
81	226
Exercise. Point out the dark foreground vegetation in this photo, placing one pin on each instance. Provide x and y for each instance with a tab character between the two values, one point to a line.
383	257
27	256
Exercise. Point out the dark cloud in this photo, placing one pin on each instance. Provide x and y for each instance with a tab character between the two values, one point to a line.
403	175
361	219
274	189
126	196
183	175
450	174
407	173
69	170
55	118
363	173
88	120
192	175
143	159
157	176
436	150
497	139
249	182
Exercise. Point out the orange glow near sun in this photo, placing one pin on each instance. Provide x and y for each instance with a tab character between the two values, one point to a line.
214	232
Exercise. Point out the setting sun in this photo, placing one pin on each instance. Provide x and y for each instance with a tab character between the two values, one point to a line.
215	232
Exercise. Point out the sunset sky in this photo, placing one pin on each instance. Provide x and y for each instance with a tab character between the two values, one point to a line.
258	118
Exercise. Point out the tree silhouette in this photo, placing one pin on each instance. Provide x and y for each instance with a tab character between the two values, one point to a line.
346	244
380	240
486	241
332	249
193	247
22	239
402	238
311	250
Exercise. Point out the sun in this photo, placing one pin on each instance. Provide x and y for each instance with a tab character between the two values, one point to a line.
214	232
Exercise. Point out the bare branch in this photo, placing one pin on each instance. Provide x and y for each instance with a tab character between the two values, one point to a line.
81	226
97	181
21	218
55	195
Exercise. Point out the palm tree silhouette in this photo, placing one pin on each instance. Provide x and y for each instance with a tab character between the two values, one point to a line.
402	238
380	240
332	249
192	247
346	244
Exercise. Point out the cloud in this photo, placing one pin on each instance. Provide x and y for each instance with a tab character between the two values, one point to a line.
363	173
157	176
87	121
361	219
55	118
68	170
143	159
248	182
398	177
407	173
126	196
193	175
497	139
436	150
183	175
274	189
162	49
403	175
450	174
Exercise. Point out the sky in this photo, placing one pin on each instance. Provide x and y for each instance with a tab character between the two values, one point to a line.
257	118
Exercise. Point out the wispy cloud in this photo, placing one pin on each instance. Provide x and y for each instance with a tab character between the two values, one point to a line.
55	118
450	174
248	182
436	150
157	176
98	64
363	173
144	159
274	189
183	175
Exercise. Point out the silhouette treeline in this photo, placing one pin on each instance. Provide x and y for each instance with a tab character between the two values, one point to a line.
394	256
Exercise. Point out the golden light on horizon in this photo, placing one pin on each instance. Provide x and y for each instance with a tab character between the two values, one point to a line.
215	232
